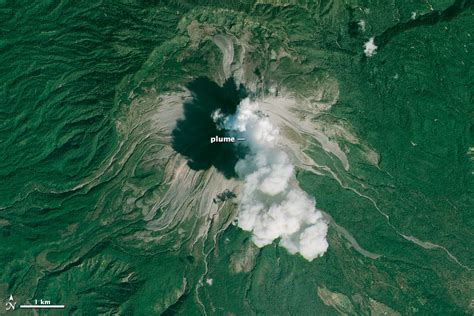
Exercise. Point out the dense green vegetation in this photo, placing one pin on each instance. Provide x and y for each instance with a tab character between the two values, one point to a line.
81	181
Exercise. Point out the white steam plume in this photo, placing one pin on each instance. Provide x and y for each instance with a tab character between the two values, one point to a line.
272	204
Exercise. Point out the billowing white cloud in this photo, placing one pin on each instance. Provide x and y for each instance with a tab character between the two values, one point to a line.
272	204
370	48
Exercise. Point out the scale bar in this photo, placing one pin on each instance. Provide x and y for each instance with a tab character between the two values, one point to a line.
42	306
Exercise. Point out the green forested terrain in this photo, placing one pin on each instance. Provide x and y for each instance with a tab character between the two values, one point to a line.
82	174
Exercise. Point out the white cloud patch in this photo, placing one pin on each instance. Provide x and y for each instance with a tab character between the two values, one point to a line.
272	204
370	48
